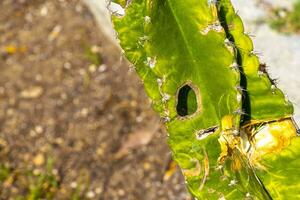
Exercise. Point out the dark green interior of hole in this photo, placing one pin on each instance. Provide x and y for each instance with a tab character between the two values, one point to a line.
187	101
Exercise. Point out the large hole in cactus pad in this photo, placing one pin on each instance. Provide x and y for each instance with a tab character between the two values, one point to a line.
187	101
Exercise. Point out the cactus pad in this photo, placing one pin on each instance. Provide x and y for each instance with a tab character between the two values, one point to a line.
227	121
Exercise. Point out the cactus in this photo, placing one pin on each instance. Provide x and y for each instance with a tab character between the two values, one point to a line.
228	124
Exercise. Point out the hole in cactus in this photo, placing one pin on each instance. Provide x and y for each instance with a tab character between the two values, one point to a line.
187	101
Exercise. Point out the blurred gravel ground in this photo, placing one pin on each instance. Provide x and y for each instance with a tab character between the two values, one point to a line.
74	120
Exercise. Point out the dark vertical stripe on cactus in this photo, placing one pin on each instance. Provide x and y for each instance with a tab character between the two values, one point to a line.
246	107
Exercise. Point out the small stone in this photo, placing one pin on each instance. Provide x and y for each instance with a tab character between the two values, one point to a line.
133	104
38	77
39	159
121	192
95	49
73	184
100	151
54	171
84	112
102	68
33	92
67	65
98	190
44	11
54	33
146	166
82	72
32	133
64	96
90	194
10	112
39	129
59	141
139	119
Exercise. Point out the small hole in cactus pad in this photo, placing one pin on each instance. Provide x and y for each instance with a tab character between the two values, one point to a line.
187	101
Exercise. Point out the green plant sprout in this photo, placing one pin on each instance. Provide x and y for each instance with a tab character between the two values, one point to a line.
45	186
229	127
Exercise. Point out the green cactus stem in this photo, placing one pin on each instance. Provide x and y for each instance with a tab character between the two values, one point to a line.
271	133
218	105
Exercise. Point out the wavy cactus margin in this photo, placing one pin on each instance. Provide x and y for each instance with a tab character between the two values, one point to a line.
230	128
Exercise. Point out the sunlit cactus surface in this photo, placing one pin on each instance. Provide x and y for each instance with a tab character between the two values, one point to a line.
229	127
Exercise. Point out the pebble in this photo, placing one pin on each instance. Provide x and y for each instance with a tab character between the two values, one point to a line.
44	11
73	184
39	159
100	151
146	166
98	190
39	129
102	68
31	93
90	194
95	49
121	192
